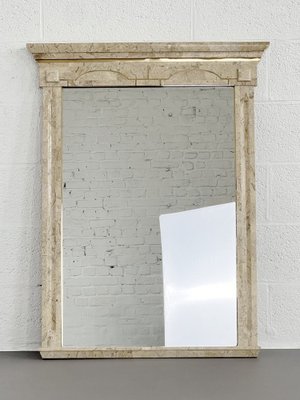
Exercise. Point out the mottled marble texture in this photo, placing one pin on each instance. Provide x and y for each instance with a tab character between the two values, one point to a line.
54	51
226	64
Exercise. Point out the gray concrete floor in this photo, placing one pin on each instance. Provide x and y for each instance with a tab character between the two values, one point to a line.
274	375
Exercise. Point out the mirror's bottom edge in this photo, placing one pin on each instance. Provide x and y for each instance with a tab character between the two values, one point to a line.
226	352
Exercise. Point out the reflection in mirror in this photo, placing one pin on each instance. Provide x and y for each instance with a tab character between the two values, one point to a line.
131	155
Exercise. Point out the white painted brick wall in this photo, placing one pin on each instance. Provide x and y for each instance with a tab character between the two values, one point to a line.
277	138
129	156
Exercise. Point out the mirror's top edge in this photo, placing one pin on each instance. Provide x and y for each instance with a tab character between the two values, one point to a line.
73	51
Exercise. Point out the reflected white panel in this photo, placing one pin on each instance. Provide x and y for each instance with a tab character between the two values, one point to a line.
199	274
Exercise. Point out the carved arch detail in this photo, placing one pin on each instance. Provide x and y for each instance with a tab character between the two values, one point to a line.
194	76
103	77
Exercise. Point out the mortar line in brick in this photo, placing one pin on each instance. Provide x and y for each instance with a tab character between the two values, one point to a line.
278	224
192	19
269	323
271	163
268	75
37	163
274	283
268	196
287	102
41	20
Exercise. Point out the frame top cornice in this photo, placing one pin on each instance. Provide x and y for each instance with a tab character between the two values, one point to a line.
177	50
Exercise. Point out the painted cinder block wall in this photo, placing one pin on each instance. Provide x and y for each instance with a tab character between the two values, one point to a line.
277	114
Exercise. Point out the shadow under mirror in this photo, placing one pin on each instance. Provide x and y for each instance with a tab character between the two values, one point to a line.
146	170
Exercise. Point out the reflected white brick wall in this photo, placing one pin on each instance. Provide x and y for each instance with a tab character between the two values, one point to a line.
129	156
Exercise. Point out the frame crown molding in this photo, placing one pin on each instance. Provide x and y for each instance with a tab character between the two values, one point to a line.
147	64
88	51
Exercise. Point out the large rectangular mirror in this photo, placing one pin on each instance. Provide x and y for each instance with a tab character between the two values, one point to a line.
132	156
148	243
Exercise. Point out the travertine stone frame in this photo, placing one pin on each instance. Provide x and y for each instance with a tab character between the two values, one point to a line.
147	64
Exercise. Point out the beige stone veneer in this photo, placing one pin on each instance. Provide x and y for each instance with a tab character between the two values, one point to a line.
147	64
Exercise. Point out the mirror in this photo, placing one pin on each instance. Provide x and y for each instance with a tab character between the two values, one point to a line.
148	207
149	217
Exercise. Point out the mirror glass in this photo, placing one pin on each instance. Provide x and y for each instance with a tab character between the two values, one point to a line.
149	227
